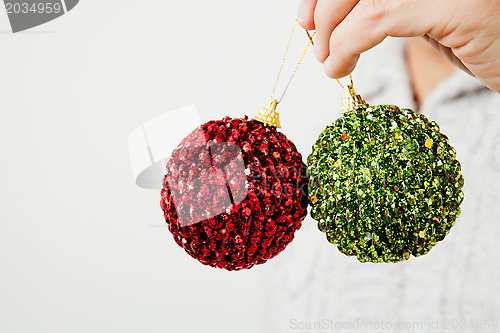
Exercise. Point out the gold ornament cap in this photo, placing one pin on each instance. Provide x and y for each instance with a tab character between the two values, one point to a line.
269	116
351	101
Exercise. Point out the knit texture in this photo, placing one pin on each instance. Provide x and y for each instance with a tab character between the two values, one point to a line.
458	282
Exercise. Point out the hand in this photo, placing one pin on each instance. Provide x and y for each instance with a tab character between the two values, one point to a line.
466	31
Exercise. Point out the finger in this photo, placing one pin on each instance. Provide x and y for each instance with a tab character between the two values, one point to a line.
448	53
370	22
305	13
327	15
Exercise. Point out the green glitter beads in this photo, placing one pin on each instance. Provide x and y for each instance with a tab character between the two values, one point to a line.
384	183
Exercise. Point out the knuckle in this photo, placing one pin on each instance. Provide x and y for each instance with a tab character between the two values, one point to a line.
373	10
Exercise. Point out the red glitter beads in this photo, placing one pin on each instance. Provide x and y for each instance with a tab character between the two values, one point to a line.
235	193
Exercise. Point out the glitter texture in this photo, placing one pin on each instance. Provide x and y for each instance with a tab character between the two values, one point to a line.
384	184
263	205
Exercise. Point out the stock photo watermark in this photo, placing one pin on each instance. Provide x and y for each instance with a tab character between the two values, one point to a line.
217	174
26	14
446	324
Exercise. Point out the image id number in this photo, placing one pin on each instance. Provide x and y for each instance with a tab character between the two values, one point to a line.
36	8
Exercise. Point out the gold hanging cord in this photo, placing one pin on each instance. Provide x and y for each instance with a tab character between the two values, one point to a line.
312	42
268	115
351	101
283	61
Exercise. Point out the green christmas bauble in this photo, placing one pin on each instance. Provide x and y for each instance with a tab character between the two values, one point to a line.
384	183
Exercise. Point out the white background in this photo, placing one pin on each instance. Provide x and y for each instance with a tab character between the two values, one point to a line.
82	248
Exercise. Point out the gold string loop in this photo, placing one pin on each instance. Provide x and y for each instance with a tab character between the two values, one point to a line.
283	62
268	116
312	42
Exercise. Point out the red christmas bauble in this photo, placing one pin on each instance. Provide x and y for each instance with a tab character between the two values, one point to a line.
235	192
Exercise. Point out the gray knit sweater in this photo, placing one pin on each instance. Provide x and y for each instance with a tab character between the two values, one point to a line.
456	287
